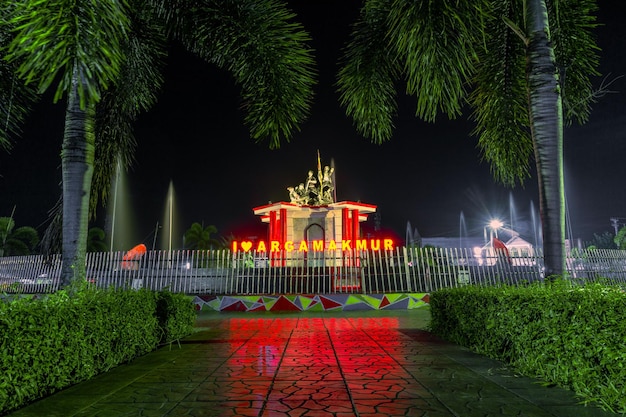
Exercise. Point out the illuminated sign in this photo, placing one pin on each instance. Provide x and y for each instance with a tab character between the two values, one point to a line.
315	245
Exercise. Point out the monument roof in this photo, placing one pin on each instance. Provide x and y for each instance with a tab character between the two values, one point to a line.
351	205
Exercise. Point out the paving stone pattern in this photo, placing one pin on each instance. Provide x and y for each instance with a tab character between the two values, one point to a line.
365	363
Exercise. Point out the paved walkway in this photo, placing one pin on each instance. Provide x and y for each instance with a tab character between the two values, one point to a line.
373	363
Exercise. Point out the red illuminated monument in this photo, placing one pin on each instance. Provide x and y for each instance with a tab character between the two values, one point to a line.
312	221
333	226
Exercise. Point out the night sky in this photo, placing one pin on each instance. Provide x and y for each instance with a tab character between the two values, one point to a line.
426	175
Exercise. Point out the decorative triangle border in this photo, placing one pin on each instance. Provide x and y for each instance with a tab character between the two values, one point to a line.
311	302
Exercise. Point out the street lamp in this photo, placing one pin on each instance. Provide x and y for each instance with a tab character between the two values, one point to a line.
493	225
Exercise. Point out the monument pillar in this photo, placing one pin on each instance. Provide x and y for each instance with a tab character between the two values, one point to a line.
345	223
283	225
355	226
273	226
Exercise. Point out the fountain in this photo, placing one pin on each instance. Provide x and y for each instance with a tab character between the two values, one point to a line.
462	229
169	223
512	212
120	215
536	227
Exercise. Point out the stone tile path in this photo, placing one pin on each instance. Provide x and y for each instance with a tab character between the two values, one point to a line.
362	363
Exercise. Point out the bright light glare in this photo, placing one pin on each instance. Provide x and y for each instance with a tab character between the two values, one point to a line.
495	224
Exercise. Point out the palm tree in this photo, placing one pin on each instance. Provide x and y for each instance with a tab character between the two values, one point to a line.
77	48
17	242
135	90
80	47
199	237
524	71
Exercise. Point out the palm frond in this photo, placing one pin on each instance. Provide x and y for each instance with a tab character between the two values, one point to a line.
55	38
499	103
135	90
368	72
266	51
115	143
16	99
437	40
178	15
141	76
576	52
51	241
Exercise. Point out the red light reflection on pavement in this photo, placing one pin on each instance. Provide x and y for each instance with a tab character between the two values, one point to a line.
318	366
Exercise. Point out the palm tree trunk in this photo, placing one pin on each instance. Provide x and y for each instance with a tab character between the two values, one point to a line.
546	122
77	156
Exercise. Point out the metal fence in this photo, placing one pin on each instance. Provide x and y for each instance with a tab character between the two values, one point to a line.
367	272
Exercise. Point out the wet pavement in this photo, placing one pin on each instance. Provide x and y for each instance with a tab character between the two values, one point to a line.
358	363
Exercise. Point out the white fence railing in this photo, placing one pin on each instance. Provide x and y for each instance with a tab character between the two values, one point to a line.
367	272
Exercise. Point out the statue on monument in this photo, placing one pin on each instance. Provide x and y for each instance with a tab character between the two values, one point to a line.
311	188
315	191
328	186
297	194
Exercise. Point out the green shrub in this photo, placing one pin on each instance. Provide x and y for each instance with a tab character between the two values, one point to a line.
572	336
176	315
50	343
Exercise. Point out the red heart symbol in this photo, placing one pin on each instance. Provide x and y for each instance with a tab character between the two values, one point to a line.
246	246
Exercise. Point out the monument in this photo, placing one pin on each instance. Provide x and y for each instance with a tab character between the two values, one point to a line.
313	222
